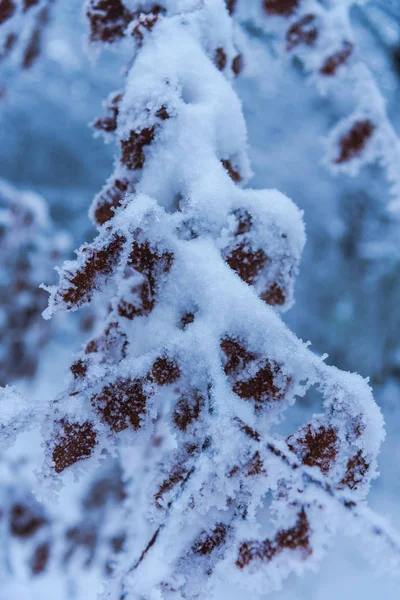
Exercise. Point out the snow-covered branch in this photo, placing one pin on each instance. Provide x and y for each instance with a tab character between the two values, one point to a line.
321	37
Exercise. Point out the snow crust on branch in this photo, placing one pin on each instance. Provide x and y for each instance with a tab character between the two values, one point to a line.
16	416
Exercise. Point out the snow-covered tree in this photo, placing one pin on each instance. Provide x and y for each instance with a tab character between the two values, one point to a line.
193	370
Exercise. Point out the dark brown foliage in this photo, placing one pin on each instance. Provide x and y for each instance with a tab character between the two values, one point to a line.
207	443
163	113
87	322
144	260
274	295
7	9
233	174
20	361
149	262
278	453
209	541
144	306
109	122
303	31
357	467
8	45
255	466
76	442
117	543
261	387
29	3
237	356
237	64
247	263
233	471
353	142
110	199
108	20
284	8
25	521
146	21
255	550
112	344
81	536
132	149
248	430
231	5
100	263
79	369
244	221
91	347
104	490
32	50
40	558
186	320
165	371
297	537
220	59
192	448
23	332
187	409
332	63
177	475
315	447
122	403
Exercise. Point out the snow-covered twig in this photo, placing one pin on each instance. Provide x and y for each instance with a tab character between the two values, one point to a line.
321	36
